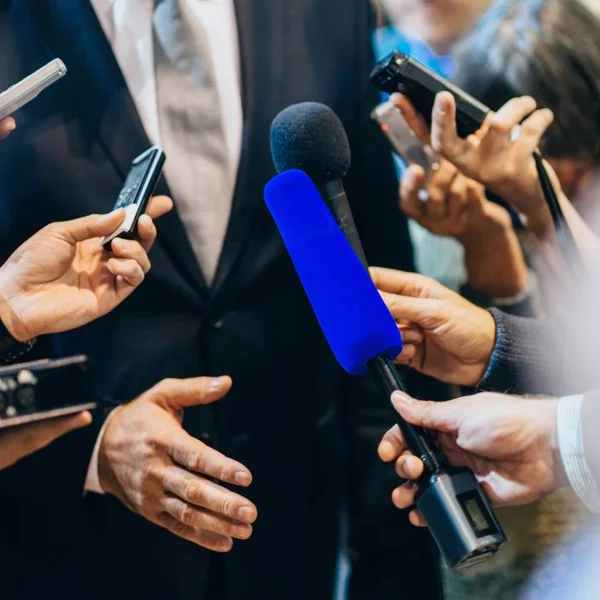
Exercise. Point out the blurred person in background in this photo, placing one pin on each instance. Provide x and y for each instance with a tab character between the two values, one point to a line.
426	30
549	50
510	172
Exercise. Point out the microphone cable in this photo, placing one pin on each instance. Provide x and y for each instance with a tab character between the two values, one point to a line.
564	235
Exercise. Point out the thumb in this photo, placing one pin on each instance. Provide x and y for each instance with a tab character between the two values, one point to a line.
92	226
438	416
182	393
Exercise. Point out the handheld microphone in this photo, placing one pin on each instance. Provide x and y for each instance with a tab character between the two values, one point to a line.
365	338
310	137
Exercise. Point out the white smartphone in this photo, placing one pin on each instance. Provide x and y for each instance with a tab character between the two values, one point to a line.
404	142
27	89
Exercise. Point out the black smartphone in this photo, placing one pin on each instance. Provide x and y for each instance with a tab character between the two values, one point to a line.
45	389
400	73
139	186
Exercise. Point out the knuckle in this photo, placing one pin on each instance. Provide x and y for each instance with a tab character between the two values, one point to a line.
221	527
186	514
195	460
165	387
141	501
145	503
226	506
193	492
148	473
178	528
499	127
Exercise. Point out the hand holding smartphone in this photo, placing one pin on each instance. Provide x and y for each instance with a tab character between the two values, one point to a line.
400	73
405	143
136	192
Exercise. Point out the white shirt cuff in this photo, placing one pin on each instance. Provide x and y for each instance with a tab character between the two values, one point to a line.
92	480
570	442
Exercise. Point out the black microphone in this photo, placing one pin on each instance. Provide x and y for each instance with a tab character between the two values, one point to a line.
310	137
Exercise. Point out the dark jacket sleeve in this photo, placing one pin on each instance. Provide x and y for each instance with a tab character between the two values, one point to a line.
387	554
542	356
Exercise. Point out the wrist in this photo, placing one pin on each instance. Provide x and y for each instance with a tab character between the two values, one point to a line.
495	265
11	321
526	195
491	228
106	476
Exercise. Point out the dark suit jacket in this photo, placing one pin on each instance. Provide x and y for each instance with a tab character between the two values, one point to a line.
303	428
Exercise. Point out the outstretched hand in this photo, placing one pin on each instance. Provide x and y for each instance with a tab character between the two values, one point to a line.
510	443
62	278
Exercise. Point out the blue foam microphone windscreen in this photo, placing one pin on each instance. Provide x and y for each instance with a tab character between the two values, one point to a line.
352	314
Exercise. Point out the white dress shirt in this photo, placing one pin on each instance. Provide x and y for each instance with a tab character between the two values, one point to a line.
127	25
570	442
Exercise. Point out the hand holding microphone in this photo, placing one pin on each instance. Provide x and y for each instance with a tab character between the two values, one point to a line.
62	278
451	339
364	338
510	444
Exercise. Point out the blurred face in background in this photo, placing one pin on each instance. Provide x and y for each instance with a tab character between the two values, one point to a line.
580	181
438	23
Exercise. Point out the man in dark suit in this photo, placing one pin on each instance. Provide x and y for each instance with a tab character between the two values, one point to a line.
300	425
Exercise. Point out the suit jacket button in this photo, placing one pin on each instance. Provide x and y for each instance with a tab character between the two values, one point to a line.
205	436
218	324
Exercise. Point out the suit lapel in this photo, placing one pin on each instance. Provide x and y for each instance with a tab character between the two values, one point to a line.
71	31
261	43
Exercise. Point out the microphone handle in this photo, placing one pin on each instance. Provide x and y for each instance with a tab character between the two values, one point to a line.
336	200
419	440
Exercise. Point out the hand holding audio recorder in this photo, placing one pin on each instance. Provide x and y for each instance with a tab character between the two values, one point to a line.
40	402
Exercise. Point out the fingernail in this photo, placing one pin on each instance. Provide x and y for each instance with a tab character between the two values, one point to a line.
402	399
247	514
109	216
243	478
83	420
442	104
243	531
386	450
224	544
217	383
11	126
